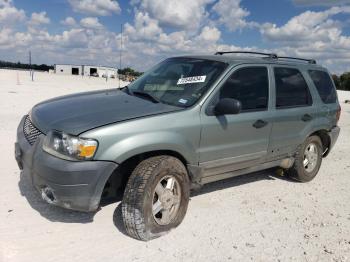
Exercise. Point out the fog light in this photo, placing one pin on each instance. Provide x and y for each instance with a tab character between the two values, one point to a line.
48	195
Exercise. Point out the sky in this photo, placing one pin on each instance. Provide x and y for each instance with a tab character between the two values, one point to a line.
89	31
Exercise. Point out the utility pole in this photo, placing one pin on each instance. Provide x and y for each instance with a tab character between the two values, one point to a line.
30	65
121	50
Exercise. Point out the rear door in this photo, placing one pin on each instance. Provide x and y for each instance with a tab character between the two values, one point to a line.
294	109
231	142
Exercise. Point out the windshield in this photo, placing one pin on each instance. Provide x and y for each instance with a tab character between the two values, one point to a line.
179	81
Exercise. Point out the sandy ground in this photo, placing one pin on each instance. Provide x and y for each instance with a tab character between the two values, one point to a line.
257	217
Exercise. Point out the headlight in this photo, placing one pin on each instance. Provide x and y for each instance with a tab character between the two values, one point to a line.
69	147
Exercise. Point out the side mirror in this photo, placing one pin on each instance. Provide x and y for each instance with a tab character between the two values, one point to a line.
228	106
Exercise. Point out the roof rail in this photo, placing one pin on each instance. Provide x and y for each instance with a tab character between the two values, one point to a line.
311	61
270	55
247	52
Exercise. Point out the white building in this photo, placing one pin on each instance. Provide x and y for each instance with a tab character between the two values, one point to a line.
86	70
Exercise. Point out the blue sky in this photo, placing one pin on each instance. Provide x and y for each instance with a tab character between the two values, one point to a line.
88	31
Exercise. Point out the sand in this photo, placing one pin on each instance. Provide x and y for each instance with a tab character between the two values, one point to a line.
257	217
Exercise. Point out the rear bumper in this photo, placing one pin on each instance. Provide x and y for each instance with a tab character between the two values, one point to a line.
333	134
74	185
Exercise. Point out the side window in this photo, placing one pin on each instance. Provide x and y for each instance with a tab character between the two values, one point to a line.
250	86
324	86
291	88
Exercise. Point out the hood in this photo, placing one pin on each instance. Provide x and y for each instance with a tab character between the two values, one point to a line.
80	112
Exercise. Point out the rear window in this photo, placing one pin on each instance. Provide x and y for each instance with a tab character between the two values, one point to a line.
324	86
291	88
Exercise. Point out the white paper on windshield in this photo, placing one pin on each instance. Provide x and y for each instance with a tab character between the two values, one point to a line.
191	79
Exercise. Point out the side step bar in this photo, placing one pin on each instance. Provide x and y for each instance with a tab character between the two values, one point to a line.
284	163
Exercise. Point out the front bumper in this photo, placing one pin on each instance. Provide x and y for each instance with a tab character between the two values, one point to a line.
74	185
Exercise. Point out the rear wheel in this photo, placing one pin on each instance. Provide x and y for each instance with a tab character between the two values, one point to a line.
308	160
156	197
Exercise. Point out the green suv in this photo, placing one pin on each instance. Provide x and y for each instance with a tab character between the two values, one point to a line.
186	122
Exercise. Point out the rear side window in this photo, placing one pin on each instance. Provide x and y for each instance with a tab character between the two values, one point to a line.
324	86
249	85
291	88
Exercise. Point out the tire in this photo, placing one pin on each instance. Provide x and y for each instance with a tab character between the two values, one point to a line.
302	170
167	176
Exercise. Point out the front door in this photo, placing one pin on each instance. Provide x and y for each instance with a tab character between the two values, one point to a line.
232	142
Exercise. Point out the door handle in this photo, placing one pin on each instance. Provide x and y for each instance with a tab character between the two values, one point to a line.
306	118
260	123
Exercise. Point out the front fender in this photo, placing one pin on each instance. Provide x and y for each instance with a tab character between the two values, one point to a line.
142	143
178	131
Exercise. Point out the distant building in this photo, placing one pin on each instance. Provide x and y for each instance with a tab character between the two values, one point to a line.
86	70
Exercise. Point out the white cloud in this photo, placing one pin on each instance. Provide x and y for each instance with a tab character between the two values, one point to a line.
147	39
4	3
310	34
209	34
308	26
95	7
10	39
39	19
231	14
5	37
9	14
74	38
69	21
23	38
144	28
180	14
314	35
91	23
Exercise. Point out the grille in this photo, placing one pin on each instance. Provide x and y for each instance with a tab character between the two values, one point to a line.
30	131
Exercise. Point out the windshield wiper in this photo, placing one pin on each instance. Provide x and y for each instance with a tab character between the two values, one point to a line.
146	95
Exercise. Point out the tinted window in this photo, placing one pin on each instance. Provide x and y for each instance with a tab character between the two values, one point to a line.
249	85
291	88
324	86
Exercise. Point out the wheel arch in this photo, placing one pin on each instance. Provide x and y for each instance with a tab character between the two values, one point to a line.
116	182
325	139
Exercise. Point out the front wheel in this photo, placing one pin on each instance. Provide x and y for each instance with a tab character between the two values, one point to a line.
156	197
308	160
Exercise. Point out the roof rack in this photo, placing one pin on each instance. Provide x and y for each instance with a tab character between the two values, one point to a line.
311	61
270	55
247	52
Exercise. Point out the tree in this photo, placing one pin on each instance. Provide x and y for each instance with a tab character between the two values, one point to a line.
19	65
345	81
129	71
336	81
